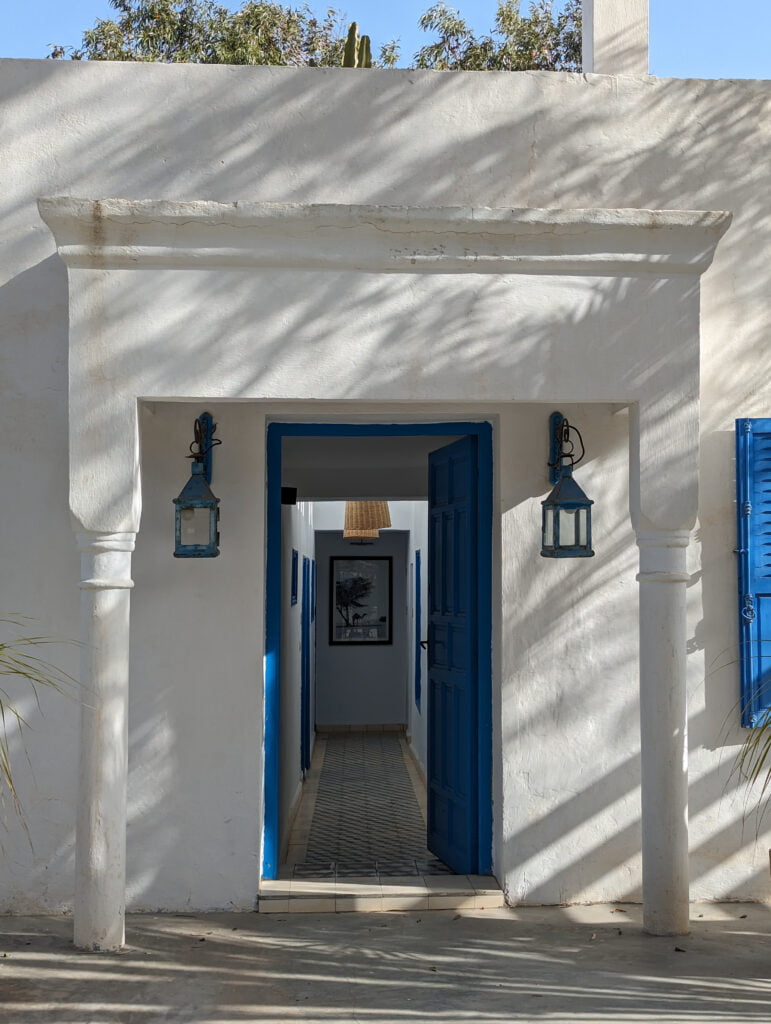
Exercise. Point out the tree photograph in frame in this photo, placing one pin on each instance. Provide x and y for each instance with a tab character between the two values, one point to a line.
361	600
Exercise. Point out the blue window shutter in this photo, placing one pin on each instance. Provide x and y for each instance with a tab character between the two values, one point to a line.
753	513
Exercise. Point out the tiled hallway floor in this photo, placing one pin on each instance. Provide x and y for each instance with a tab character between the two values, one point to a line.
359	838
367	818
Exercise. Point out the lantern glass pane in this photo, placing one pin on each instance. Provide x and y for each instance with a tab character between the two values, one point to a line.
195	526
568	528
581	522
548	528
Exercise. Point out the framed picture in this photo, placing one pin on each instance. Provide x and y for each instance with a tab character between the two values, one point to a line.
360	600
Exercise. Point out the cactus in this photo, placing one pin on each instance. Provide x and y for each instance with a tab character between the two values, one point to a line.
358	51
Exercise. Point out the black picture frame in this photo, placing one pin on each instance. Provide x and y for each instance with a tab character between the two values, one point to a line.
360	600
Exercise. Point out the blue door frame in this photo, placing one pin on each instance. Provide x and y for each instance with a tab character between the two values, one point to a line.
305	669
483	594
418	629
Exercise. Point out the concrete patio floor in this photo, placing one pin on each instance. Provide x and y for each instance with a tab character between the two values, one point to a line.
529	964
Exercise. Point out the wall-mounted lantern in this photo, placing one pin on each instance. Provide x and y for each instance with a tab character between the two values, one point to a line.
197	510
567	513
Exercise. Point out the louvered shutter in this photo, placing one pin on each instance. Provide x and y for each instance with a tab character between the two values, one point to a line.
753	508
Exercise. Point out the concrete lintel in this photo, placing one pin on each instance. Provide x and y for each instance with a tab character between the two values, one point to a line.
104	233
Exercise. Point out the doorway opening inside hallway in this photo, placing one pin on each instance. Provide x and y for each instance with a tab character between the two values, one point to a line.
377	729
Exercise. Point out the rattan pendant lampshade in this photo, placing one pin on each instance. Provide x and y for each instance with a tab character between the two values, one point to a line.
365	519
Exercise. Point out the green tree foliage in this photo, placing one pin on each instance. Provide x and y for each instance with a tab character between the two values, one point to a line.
266	32
538	41
204	32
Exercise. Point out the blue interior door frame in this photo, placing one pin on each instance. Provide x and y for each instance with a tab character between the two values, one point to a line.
418	630
482	593
305	669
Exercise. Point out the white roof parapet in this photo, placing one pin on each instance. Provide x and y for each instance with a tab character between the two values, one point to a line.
381	239
615	37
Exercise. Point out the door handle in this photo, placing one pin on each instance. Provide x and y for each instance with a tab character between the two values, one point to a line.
423	644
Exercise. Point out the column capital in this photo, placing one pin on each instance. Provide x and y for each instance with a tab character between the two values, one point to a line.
662	556
663	538
105	560
103	542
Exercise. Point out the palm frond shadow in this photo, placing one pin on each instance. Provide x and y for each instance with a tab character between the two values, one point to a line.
18	661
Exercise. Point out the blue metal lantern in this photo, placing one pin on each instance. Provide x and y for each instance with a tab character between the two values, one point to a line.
566	530
197	510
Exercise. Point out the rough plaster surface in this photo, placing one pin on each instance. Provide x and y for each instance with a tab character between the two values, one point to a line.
567	804
615	37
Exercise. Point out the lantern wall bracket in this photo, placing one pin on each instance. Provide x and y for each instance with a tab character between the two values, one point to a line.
555	446
205	441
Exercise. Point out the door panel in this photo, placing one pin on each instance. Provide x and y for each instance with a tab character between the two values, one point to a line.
452	667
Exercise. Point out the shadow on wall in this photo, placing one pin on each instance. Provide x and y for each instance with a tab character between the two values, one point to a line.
570	715
535	139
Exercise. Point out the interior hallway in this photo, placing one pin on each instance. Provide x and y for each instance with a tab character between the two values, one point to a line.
359	838
363	812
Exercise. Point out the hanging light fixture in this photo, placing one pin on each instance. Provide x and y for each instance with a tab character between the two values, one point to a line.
566	530
365	519
196	516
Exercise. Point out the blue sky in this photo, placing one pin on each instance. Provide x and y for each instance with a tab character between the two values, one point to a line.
689	38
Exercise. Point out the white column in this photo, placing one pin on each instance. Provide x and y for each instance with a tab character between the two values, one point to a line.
100	859
663	724
615	37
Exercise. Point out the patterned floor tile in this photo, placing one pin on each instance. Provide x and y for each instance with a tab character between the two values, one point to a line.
367	819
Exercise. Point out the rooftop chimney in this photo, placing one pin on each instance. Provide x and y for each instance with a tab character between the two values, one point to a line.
615	37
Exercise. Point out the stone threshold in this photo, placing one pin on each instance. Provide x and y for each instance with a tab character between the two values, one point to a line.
370	895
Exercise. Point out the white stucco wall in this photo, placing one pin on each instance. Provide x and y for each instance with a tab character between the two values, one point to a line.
566	746
195	709
296	534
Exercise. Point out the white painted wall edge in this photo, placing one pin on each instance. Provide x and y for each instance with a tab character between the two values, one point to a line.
615	37
124	232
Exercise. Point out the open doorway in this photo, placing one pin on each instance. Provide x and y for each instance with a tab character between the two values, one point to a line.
455	474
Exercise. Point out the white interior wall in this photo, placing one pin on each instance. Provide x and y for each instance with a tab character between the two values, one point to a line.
296	534
410	516
359	684
109	129
330	515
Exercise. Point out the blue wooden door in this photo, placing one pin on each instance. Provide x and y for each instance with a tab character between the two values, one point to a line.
452	656
305	668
